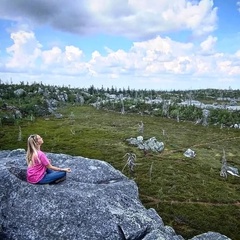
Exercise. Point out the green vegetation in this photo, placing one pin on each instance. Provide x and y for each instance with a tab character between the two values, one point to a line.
188	194
25	101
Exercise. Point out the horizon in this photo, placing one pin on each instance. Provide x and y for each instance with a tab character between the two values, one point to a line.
115	88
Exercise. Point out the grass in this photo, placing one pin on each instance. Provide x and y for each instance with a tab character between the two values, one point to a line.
188	194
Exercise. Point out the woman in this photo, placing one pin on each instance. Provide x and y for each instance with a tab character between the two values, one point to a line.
40	170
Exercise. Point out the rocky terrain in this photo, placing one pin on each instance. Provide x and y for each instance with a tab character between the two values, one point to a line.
95	202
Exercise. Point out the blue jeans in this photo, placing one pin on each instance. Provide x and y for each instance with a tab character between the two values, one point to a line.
52	176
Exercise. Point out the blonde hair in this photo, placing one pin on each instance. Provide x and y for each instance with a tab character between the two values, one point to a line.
32	150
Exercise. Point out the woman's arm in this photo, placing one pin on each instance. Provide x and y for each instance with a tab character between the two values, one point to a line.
50	166
46	162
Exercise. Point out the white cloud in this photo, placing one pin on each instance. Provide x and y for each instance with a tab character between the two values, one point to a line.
153	61
135	19
67	61
238	54
73	53
238	6
52	56
148	18
26	55
207	46
24	51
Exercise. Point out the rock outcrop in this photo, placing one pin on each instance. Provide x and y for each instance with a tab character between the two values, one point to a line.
95	202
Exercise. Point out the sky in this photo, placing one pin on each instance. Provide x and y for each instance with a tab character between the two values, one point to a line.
136	44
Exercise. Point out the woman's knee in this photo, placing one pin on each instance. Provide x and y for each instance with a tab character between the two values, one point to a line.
63	174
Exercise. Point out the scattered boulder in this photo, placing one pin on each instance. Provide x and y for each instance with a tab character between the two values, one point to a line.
233	171
19	92
150	144
226	169
189	153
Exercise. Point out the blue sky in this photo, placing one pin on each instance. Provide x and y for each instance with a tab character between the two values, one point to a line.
141	44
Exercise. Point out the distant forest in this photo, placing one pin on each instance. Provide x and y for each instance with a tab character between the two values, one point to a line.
21	101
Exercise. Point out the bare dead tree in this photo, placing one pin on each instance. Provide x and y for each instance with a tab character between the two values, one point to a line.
122	110
131	158
72	130
141	127
19	134
150	172
223	172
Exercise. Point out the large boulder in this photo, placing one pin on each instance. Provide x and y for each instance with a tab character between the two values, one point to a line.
95	202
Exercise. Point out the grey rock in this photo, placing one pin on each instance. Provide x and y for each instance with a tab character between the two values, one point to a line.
233	171
95	202
189	153
19	92
211	235
150	144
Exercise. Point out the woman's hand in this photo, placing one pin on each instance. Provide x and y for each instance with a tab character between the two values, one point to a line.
66	169
49	166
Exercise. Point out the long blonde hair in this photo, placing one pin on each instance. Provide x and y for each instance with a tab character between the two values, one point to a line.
32	150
